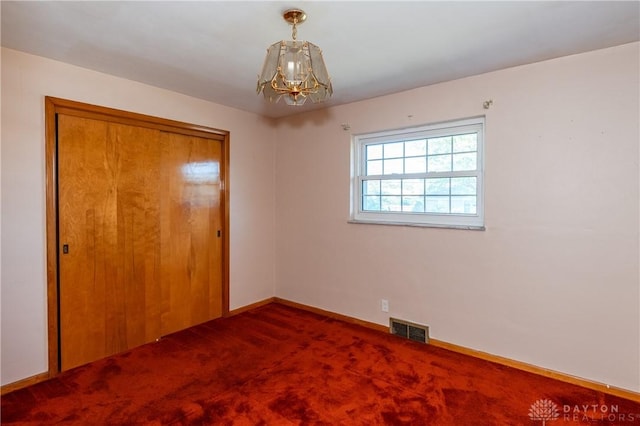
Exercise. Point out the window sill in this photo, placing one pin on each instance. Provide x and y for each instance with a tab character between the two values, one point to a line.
417	225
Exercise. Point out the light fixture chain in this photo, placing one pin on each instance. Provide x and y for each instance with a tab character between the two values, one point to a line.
294	31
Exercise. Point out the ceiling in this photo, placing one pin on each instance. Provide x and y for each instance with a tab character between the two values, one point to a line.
215	50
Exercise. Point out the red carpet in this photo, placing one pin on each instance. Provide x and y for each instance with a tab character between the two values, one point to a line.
277	365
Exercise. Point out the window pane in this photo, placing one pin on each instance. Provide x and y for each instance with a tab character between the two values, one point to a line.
440	145
463	186
415	165
371	203
393	150
465	143
391	203
374	152
436	205
413	186
439	163
374	168
391	187
393	166
371	187
437	186
464	161
415	148
464	205
413	204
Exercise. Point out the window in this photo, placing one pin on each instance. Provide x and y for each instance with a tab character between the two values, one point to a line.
428	176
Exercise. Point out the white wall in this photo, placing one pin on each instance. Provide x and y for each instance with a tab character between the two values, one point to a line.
26	79
553	281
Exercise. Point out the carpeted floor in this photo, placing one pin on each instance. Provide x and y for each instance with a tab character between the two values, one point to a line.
277	365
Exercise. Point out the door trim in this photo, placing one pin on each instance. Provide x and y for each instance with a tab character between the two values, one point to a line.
55	106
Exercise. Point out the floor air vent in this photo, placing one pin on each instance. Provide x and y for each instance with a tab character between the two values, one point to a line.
409	330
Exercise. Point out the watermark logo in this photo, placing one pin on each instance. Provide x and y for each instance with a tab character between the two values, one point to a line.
544	410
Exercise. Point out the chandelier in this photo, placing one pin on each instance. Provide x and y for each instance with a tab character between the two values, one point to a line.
294	69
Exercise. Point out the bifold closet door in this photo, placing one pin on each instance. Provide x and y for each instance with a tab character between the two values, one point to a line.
139	253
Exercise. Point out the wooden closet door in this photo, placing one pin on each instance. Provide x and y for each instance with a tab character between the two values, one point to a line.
140	257
191	216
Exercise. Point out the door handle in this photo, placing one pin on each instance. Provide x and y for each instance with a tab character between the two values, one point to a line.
65	248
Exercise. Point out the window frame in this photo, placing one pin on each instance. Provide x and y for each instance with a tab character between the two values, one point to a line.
359	142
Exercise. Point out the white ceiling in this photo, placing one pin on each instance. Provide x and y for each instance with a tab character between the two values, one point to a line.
215	50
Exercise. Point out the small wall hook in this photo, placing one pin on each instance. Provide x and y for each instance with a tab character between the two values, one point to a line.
346	126
487	104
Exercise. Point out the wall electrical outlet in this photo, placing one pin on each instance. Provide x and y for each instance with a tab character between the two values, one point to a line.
384	305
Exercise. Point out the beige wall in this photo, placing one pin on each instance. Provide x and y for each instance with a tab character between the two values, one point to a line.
554	279
26	79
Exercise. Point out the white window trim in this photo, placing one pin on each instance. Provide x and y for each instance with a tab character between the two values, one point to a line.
456	221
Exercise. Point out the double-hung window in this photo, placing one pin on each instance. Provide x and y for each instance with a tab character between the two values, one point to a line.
429	175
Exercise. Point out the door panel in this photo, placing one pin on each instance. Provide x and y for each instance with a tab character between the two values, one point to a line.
86	237
137	231
190	218
139	210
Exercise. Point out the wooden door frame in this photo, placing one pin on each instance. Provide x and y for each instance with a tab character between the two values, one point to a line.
55	106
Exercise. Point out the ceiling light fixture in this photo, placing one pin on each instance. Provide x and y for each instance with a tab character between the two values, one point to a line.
294	69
